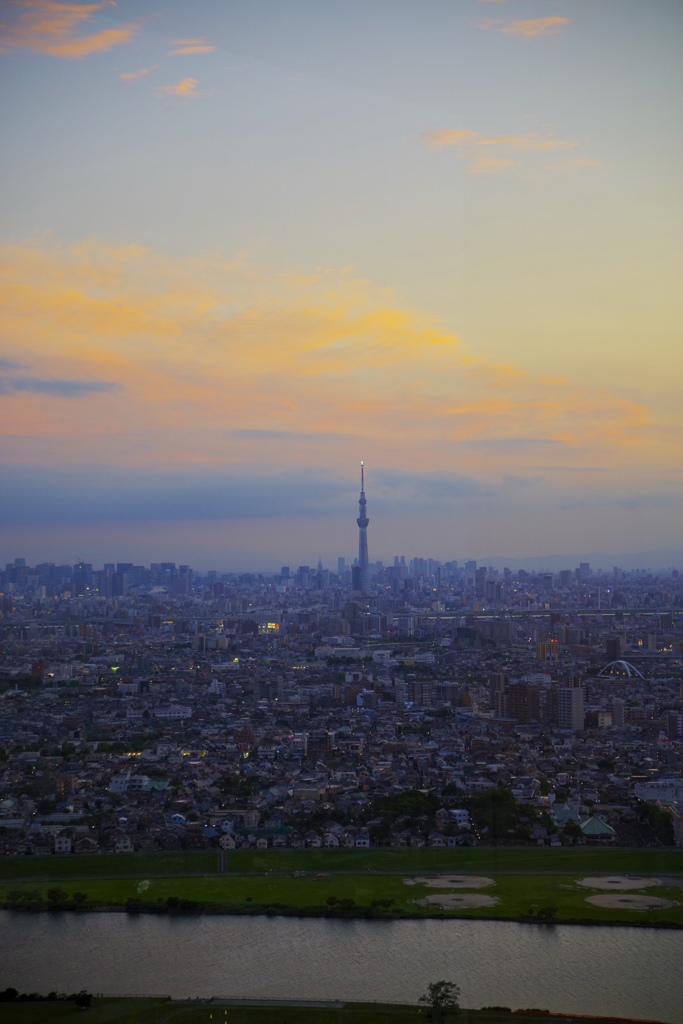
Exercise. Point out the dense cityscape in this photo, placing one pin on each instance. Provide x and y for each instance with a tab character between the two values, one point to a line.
287	737
414	704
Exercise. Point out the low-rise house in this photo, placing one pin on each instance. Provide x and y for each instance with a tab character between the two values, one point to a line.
563	813
63	844
147	842
461	817
597	830
85	844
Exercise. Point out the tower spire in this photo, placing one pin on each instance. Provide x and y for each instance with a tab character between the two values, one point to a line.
362	520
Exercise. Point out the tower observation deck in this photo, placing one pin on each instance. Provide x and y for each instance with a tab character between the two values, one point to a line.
363	560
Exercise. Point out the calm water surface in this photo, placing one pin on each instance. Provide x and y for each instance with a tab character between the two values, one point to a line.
627	971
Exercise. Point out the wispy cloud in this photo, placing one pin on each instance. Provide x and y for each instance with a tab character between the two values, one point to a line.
191	46
463	137
11	364
186	88
49	27
512	442
480	152
573	162
133	76
490	165
56	388
528	28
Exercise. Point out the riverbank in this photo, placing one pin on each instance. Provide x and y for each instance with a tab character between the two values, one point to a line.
491	885
199	1011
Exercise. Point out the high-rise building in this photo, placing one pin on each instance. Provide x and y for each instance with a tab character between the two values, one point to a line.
618	705
570	708
525	702
615	646
362	520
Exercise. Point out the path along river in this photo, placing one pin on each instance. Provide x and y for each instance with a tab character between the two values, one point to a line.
634	972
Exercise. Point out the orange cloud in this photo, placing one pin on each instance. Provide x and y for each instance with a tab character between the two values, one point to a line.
220	361
481	165
133	76
189	46
529	28
186	88
532	27
474	147
462	137
571	162
49	27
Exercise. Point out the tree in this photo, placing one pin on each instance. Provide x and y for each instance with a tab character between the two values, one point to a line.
442	997
56	895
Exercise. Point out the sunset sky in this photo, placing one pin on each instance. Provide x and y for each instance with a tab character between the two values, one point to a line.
248	243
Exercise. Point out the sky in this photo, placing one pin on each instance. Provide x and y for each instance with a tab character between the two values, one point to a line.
246	244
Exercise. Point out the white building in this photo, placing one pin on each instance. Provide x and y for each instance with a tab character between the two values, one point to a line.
174	711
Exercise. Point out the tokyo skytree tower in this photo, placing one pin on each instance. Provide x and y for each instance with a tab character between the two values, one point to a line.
363	560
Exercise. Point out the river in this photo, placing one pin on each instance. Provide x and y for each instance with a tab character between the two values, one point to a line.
635	972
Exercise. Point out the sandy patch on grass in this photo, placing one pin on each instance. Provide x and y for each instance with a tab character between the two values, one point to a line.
452	881
458	900
619	883
630	901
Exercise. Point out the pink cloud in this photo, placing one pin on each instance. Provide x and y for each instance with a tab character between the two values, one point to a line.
529	28
489	154
45	26
133	76
191	46
186	88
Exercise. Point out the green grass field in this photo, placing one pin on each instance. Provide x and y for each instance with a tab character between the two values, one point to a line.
527	881
517	895
477	859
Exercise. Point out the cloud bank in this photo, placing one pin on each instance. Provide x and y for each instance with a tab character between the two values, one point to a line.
49	27
222	363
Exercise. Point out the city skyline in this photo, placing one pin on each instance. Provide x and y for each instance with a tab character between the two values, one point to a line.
246	246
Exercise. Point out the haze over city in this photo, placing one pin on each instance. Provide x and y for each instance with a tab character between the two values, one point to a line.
246	246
